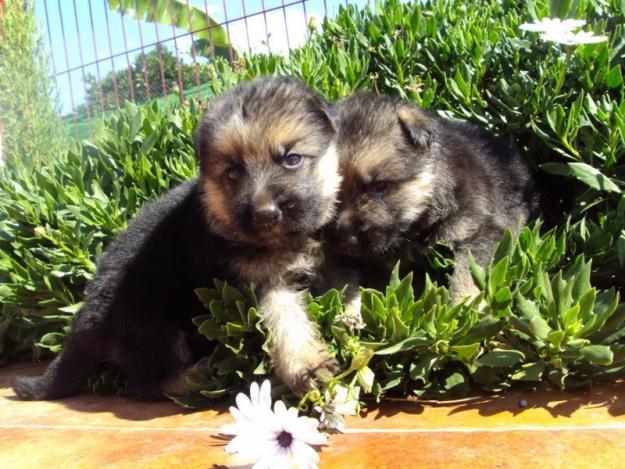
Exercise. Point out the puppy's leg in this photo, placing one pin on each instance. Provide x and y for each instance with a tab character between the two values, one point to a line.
176	385
461	284
297	351
153	363
339	276
481	246
65	375
352	316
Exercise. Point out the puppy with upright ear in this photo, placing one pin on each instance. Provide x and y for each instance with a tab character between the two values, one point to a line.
268	182
411	179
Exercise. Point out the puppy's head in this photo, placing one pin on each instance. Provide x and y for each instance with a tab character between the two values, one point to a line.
268	165
387	163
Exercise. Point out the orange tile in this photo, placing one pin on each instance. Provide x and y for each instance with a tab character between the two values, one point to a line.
478	450
572	430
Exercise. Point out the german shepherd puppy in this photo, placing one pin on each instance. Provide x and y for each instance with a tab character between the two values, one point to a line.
411	179
267	183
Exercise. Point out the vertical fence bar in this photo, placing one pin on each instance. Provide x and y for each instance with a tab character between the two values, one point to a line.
82	68
325	7
306	19
97	61
69	74
210	34
130	80
196	67
266	27
144	61
230	52
158	50
113	74
247	29
178	65
286	26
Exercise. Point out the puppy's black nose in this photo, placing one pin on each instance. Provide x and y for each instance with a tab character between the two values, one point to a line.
267	217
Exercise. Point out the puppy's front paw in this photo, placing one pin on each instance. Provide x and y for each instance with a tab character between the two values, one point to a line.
302	372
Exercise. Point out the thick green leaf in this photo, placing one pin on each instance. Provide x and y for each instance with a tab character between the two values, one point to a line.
499	358
465	352
406	344
598	354
529	372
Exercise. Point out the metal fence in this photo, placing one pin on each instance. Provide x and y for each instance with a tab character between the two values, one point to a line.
104	52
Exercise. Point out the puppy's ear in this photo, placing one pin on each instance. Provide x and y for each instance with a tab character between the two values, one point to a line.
326	112
203	133
416	124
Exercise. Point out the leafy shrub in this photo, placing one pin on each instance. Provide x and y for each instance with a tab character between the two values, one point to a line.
529	324
550	304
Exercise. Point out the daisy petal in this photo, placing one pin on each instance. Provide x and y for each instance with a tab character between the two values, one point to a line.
264	400
279	408
254	391
303	452
230	429
245	405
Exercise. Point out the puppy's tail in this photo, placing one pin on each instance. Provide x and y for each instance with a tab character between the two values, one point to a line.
63	377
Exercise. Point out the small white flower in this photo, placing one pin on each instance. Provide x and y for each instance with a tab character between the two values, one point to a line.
573	39
335	409
353	321
553	25
271	439
556	30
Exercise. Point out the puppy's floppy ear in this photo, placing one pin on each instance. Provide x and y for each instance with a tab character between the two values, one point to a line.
416	124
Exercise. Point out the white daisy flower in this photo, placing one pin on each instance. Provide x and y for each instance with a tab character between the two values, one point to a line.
289	440
271	439
553	25
335	409
573	39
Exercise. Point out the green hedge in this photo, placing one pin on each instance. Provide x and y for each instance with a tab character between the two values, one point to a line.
547	311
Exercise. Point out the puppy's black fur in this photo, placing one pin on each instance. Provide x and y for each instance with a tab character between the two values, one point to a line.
139	306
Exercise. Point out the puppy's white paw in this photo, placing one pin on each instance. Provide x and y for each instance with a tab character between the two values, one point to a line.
306	368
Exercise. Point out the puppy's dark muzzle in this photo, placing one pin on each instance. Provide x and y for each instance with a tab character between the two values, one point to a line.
267	218
344	242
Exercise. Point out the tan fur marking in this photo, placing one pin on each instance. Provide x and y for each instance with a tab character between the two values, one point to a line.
411	115
415	195
329	179
215	202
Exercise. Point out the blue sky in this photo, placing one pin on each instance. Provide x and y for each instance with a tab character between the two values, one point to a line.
65	22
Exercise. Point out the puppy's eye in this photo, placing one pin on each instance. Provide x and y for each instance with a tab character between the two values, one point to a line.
292	160
380	187
233	174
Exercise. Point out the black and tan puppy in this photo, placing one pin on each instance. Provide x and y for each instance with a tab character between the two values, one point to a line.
411	179
268	181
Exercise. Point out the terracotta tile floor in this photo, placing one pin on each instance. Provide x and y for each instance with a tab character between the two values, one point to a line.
555	430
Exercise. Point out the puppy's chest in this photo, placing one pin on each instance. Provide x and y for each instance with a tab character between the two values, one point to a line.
267	268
